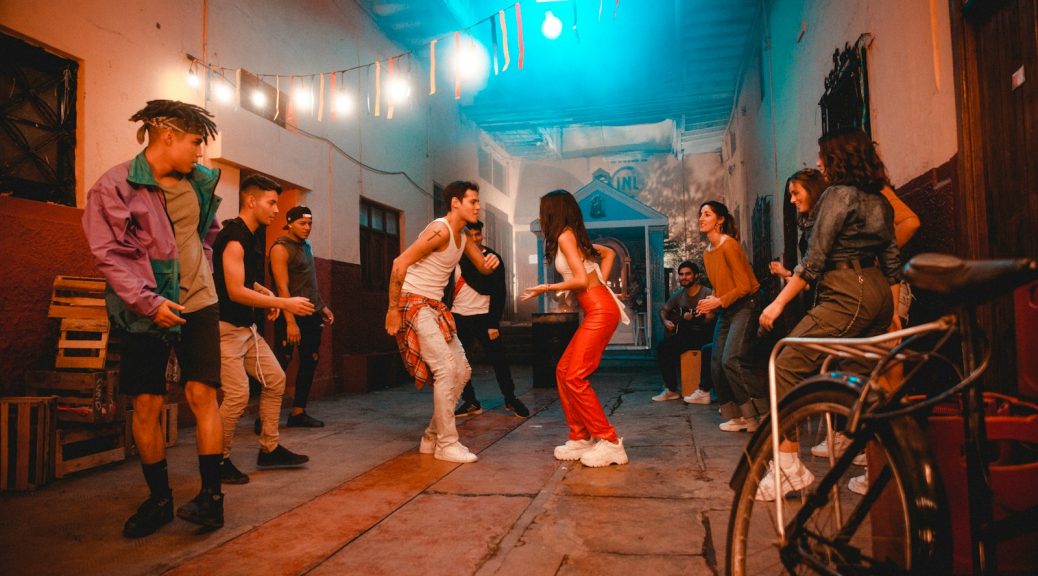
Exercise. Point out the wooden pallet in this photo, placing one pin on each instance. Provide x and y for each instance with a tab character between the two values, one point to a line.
80	304
83	397
167	421
89	447
78	297
27	430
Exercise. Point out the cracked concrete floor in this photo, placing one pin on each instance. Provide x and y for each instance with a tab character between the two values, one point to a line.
368	503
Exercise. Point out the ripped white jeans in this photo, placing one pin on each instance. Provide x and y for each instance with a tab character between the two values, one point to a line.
450	371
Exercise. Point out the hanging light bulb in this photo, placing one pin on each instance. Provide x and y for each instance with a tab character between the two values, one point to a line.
192	77
552	26
223	92
398	89
343	103
302	98
259	99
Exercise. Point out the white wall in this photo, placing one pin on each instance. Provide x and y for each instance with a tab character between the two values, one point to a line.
134	52
911	92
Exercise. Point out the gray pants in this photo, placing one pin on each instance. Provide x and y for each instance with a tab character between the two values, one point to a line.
851	303
740	391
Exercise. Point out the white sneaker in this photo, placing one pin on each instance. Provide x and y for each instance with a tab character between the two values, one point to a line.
840	445
455	453
794	476
573	449
859	484
666	395
605	453
739	424
700	396
427	445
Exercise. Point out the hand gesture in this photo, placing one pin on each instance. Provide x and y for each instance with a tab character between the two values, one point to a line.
533	292
326	314
493	333
393	321
491	261
298	306
777	269
770	314
166	316
292	334
708	304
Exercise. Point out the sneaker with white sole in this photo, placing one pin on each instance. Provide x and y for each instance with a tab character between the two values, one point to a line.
740	424
666	395
793	477
698	397
573	449
859	484
605	453
840	445
455	453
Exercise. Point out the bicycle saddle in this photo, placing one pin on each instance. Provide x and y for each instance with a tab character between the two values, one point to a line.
972	281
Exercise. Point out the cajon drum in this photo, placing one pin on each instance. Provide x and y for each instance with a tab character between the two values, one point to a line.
691	361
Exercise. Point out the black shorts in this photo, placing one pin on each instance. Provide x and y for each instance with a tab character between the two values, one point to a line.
142	367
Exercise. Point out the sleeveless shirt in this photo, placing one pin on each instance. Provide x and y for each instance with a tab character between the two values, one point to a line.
562	266
429	276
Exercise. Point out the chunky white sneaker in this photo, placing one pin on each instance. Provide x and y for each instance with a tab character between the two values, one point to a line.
573	449
859	484
455	453
666	395
793	476
840	445
605	453
427	445
739	424
700	396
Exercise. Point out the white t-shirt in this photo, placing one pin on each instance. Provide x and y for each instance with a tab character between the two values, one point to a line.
428	276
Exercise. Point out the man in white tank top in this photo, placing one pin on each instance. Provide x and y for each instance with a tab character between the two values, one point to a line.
423	326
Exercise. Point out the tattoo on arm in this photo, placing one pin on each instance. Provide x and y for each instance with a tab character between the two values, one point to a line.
434	235
396	283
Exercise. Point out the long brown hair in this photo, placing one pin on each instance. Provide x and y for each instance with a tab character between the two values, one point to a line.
850	158
813	182
728	225
559	210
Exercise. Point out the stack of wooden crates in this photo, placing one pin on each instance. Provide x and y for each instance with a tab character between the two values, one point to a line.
91	427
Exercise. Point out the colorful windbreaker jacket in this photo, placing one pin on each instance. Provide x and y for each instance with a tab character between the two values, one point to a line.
131	236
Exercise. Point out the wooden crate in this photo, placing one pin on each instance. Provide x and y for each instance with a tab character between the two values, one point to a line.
27	430
83	448
83	397
168	422
78	297
691	361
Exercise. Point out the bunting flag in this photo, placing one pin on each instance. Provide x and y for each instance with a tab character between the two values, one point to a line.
290	110
519	34
457	66
504	39
378	88
334	93
237	88
493	42
320	100
277	95
389	105
432	67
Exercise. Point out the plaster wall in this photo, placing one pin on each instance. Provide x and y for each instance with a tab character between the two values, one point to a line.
776	125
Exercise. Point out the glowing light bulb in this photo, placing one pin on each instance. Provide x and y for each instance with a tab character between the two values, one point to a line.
552	26
259	99
302	99
223	93
398	89
343	103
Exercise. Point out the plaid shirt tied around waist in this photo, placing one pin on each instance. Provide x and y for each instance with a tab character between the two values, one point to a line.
407	336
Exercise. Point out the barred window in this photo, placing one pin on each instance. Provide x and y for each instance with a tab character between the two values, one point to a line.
379	243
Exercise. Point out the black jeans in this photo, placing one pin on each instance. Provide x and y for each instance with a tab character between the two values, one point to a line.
668	355
310	328
474	328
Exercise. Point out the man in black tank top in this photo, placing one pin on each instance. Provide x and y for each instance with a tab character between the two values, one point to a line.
292	268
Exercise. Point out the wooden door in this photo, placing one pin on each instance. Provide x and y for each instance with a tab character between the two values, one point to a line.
996	70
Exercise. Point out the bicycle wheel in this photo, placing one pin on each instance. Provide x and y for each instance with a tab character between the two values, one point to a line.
897	526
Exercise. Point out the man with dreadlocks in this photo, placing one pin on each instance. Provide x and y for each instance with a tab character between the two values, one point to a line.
150	223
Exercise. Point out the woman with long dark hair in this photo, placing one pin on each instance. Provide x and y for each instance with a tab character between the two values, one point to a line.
567	245
803	187
853	232
739	390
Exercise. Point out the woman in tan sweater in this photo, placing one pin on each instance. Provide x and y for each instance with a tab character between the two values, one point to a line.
740	392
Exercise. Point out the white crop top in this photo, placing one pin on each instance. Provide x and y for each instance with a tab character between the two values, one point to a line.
562	266
428	276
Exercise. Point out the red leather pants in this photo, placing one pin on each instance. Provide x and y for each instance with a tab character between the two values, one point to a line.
580	404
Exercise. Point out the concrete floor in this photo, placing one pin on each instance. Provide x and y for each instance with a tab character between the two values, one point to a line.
369	503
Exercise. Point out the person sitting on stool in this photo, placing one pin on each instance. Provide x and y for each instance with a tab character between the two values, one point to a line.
686	330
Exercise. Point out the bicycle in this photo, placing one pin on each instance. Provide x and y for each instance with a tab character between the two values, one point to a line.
899	524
